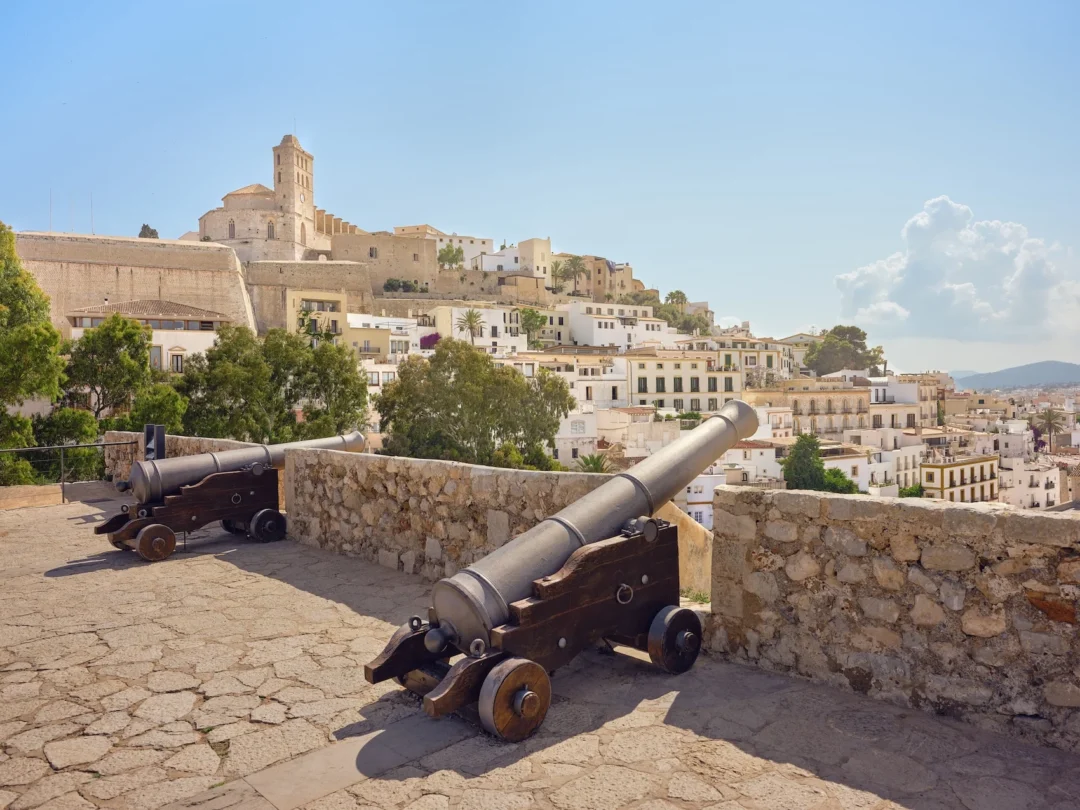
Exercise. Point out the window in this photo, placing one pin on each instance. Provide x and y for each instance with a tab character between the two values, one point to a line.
678	365
588	310
555	452
677	404
416	257
279	177
661	385
269	230
232	229
573	452
561	320
659	403
278	159
854	471
588	393
642	385
494	331
677	385
695	385
614	392
695	405
577	426
155	357
373	252
388	377
659	365
176	363
729	384
751	361
641	365
206	326
768	361
303	234
712	385
712	403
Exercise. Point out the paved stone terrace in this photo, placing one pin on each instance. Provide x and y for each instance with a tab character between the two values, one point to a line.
132	686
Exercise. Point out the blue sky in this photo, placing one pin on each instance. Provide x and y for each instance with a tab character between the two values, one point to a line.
746	153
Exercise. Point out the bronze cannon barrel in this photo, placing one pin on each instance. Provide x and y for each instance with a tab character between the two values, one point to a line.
476	599
153	480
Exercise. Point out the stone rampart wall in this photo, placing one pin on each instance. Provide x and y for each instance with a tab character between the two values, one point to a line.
267	283
968	611
80	271
434	517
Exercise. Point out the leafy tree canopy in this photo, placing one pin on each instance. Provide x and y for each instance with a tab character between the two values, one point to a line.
451	256
400	285
843	347
146	232
836	481
461	406
68	426
672	310
111	362
250	389
802	467
30	362
914	491
532	322
158	404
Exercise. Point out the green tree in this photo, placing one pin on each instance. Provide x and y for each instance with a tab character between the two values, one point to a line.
111	362
15	431
1049	422
451	256
843	347
941	413
158	404
914	491
572	269
556	269
146	232
30	362
803	468
336	393
594	463
470	321
836	481
461	406
677	299
69	426
228	389
533	322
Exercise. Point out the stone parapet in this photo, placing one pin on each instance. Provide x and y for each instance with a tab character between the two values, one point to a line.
434	517
118	460
967	611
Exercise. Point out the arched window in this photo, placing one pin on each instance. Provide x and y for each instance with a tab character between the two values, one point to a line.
269	230
303	234
279	158
279	177
232	229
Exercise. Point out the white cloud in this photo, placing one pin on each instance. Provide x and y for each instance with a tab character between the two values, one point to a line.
966	279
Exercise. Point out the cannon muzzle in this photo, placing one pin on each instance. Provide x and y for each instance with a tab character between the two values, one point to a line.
476	599
153	480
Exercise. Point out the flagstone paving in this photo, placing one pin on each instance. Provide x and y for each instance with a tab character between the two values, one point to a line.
234	671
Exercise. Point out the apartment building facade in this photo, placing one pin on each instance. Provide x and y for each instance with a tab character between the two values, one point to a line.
499	331
622	326
963	479
681	381
1030	484
822	406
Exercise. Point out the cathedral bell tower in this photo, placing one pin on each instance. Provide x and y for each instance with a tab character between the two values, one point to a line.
294	191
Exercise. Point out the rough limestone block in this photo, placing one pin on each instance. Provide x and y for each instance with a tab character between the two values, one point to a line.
947	557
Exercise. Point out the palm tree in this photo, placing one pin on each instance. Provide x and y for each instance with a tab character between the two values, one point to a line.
1050	422
472	322
678	299
556	275
594	463
575	267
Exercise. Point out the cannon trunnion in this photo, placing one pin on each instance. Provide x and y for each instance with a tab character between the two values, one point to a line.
245	501
624	589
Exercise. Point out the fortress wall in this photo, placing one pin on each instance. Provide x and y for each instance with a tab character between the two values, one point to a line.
268	281
970	611
78	271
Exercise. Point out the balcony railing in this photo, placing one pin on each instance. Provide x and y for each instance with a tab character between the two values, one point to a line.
1050	485
862	409
846	409
1033	485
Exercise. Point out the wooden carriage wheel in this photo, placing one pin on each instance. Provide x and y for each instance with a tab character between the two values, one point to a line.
514	699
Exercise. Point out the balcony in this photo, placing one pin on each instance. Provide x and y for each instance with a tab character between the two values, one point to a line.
1050	485
885	401
862	409
796	410
1033	485
846	409
829	409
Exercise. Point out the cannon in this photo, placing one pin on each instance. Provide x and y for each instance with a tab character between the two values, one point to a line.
600	569
237	487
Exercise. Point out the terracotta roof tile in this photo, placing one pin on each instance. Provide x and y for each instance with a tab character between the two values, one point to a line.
152	308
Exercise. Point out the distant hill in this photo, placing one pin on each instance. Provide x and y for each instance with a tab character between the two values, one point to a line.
961	373
1048	372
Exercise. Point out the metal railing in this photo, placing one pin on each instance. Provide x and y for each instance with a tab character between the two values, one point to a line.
44	467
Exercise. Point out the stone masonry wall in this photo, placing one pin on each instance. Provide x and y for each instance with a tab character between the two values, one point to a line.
968	611
434	517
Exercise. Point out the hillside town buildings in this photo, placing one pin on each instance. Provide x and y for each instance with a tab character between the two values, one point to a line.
268	257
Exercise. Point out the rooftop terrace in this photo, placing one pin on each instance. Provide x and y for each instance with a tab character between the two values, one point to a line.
233	671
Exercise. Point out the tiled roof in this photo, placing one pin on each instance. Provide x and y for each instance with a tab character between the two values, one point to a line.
254	188
747	444
152	308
